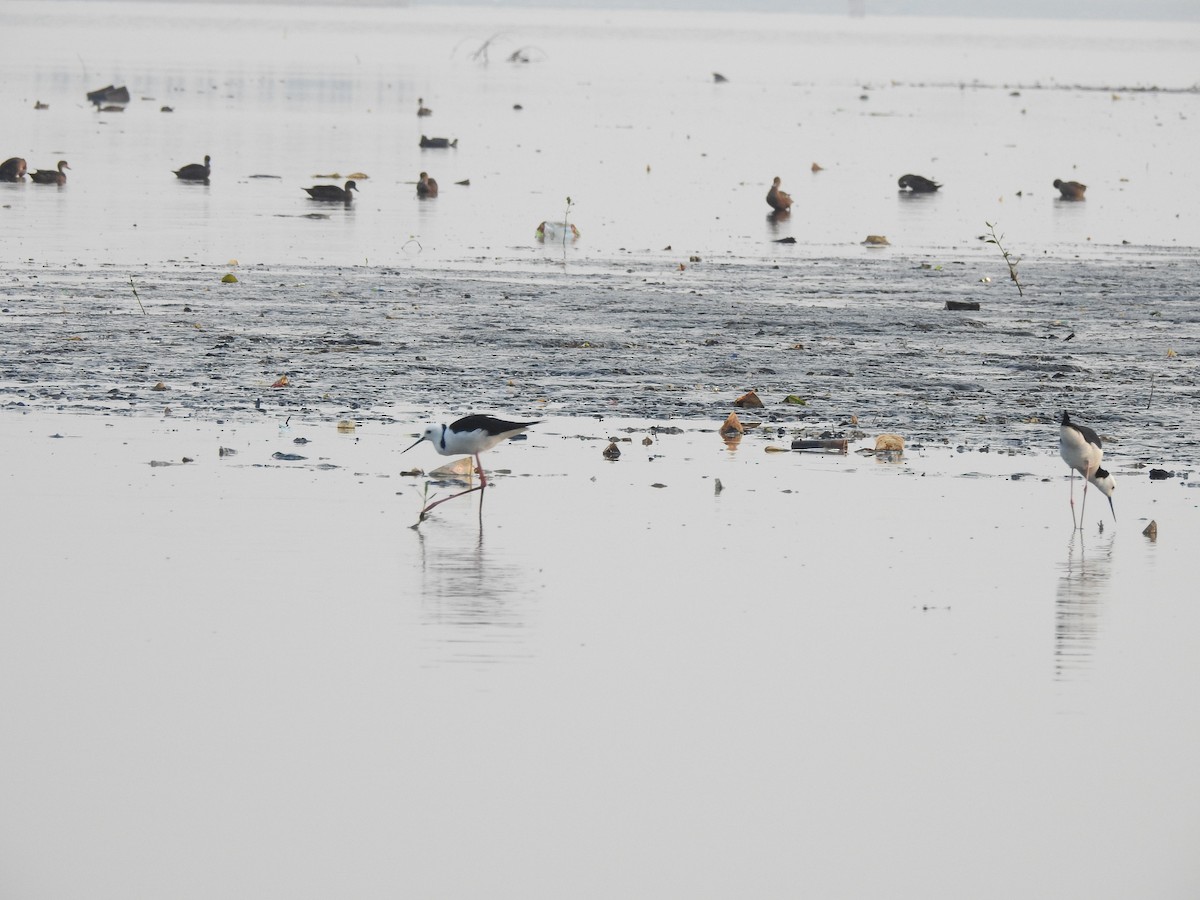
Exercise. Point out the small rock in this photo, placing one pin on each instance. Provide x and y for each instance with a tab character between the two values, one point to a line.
876	240
748	400
1151	530
732	425
889	442
612	451
1160	474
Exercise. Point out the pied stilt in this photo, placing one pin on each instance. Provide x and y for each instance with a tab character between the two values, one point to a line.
1082	450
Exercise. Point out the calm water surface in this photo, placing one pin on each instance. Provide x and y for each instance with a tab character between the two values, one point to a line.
652	152
835	678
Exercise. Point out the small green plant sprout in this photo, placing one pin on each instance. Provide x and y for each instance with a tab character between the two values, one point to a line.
1009	260
566	222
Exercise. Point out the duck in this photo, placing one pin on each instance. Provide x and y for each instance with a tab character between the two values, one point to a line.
422	109
440	143
332	192
1070	190
51	176
427	187
195	171
12	169
918	184
778	200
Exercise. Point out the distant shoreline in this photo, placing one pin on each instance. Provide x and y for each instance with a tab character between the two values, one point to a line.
1182	11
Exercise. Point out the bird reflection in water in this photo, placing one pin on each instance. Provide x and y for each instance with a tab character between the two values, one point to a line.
1078	608
473	602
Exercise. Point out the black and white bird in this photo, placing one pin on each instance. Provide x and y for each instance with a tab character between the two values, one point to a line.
469	435
1082	450
918	184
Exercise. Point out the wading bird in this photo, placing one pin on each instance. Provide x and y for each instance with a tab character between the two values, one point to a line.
1082	451
469	435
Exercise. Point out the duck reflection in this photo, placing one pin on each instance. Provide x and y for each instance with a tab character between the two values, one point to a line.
473	603
1082	587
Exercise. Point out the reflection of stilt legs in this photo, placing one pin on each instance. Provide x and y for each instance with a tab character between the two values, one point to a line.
479	487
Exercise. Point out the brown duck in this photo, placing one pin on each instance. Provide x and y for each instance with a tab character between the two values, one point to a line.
332	192
12	169
778	200
51	176
426	187
1070	190
422	109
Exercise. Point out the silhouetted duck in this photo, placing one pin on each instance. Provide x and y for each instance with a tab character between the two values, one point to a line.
332	192
918	184
778	200
422	109
195	171
426	187
1070	190
12	169
50	176
438	143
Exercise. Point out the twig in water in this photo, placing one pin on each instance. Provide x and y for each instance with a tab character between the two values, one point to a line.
566	223
135	295
1151	398
1010	260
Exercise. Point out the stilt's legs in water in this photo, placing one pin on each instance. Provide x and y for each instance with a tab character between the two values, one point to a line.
479	487
1073	519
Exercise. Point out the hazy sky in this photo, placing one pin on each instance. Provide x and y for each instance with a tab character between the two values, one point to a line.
1181	10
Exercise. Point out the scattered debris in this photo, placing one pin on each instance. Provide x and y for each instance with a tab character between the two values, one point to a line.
1151	530
876	240
612	451
748	400
963	305
732	425
889	443
556	231
823	445
109	94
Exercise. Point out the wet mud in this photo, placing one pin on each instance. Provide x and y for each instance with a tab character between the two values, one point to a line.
1114	340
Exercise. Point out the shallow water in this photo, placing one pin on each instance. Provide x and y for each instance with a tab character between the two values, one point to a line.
835	677
251	677
652	152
